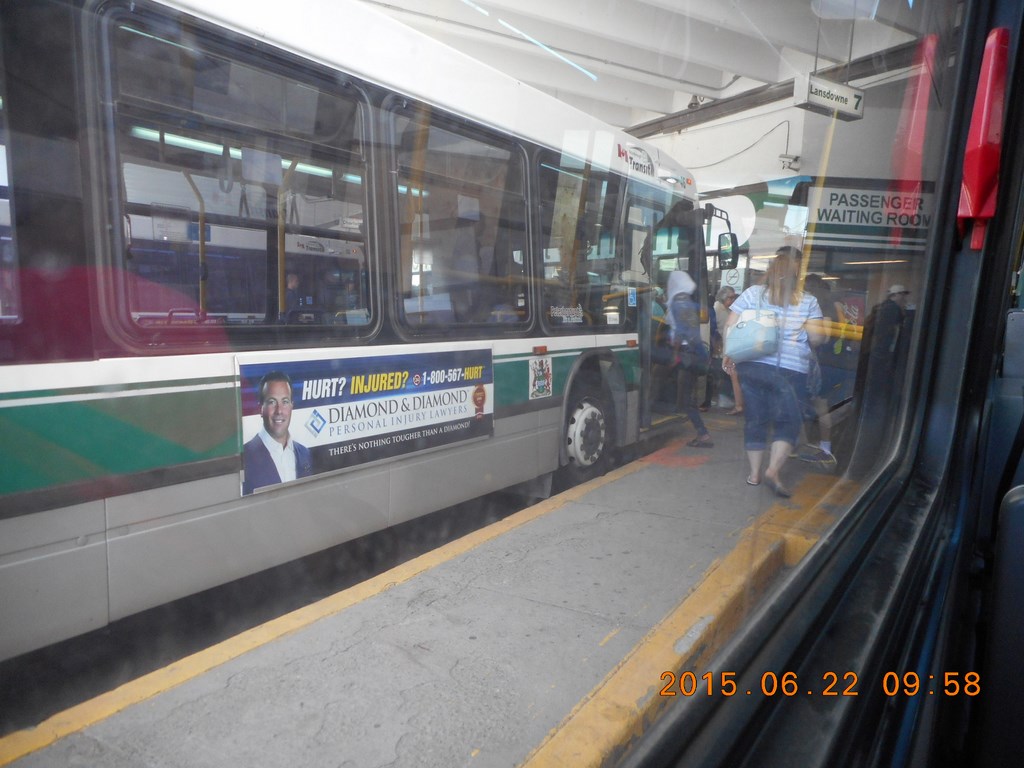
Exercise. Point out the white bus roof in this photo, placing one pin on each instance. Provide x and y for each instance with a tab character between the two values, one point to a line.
350	36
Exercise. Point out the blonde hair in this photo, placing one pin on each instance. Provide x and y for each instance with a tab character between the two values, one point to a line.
782	279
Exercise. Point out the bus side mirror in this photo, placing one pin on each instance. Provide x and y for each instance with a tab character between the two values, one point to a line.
728	251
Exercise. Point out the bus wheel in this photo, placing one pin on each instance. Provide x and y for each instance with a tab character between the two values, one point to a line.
588	435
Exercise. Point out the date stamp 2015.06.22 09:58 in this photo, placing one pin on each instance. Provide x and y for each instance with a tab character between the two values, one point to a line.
688	683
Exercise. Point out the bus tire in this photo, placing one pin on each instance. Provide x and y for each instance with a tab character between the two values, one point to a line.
588	434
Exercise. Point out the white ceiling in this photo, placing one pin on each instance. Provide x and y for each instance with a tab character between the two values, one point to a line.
649	58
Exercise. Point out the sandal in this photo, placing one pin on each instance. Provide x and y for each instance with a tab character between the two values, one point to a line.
734	412
780	490
702	441
753	482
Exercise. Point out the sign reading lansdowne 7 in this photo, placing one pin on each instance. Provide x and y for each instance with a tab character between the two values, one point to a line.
345	412
826	97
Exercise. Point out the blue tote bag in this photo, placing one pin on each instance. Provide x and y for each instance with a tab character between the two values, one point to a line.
757	334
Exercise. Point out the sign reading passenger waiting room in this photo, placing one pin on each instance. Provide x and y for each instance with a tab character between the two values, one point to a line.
857	218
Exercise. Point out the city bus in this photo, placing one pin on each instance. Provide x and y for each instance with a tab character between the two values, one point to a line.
218	222
224	220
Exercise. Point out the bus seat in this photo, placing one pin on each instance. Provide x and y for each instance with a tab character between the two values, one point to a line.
1000	740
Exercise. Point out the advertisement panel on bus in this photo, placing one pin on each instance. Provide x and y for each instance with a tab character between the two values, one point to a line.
304	418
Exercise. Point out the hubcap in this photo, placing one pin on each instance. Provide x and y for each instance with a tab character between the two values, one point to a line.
586	435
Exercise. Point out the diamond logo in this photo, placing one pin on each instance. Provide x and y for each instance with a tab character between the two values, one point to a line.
316	422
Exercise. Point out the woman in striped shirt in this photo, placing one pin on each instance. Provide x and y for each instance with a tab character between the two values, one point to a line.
775	386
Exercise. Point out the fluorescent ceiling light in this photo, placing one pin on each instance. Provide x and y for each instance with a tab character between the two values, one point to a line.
543	47
476	7
889	261
574	175
210	148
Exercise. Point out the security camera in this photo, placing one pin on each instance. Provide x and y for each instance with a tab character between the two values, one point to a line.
790	162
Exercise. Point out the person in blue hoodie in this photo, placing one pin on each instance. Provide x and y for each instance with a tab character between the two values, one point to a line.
690	353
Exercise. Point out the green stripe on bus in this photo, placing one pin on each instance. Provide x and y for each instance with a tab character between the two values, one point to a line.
512	374
48	445
512	378
629	359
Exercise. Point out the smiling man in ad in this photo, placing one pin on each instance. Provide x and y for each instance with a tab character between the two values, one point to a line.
272	456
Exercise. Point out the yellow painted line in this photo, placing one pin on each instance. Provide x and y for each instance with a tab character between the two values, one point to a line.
21	743
609	636
622	706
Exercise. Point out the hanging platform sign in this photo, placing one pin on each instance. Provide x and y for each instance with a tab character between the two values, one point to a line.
825	97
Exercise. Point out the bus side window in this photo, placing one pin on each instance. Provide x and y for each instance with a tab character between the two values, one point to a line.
462	205
219	196
582	259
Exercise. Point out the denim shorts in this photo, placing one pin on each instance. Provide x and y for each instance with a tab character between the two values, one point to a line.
774	399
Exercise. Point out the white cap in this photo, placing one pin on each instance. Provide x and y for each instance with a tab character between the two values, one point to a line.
897	289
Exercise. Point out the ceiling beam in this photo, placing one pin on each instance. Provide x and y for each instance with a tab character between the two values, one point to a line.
899	57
